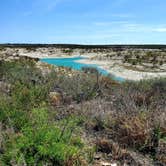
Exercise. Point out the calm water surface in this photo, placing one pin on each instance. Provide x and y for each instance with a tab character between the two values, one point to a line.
71	62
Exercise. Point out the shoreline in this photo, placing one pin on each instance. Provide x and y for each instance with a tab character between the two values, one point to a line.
111	66
121	72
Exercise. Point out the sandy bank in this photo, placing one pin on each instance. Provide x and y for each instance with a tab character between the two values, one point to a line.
120	71
112	66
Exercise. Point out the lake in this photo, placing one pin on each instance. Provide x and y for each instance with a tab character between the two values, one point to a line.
71	62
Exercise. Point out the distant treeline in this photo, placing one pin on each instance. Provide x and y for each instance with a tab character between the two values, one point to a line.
73	46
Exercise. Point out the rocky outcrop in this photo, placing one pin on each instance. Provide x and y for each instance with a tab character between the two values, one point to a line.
56	98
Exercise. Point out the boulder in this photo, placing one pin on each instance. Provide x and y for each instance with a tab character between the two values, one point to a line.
56	98
104	163
97	157
107	164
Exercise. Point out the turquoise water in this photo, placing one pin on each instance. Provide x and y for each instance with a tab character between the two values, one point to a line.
71	62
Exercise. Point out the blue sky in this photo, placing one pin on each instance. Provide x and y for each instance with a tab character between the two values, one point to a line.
83	21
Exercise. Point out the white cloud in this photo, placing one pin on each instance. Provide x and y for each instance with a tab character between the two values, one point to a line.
109	23
122	15
160	29
102	23
127	26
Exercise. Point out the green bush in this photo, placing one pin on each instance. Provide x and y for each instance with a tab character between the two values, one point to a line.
11	116
80	86
34	137
40	142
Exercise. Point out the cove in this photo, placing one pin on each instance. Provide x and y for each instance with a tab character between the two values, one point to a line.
71	62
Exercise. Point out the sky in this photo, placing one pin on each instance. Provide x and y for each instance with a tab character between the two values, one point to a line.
83	21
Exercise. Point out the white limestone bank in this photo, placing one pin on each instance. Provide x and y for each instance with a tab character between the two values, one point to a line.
113	66
119	71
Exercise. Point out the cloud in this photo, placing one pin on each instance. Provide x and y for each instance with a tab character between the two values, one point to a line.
147	28
142	28
129	26
110	23
122	15
122	26
160	29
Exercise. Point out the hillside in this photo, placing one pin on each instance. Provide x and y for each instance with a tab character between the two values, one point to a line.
57	116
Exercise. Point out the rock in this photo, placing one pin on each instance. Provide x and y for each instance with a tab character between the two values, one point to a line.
103	163
97	157
125	164
114	164
56	98
108	164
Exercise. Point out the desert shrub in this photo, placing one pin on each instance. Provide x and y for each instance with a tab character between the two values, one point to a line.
24	73
149	54
161	63
40	142
80	86
145	93
90	70
132	61
28	87
1	69
108	146
132	131
2	48
27	97
13	117
132	114
126	57
35	139
68	51
104	145
137	108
